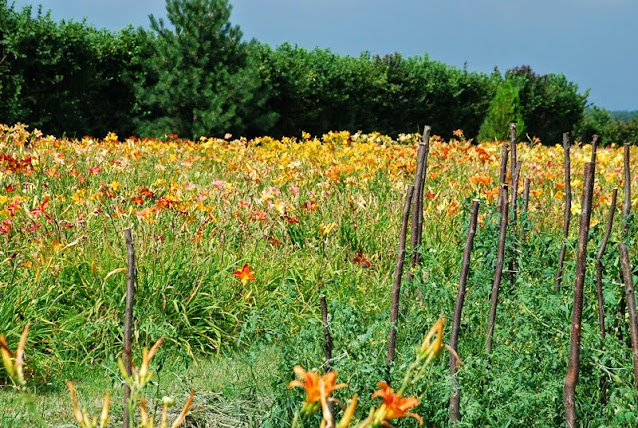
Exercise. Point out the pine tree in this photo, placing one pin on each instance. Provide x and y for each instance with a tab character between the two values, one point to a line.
504	108
200	78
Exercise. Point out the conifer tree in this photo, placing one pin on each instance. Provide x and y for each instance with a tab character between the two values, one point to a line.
504	108
201	78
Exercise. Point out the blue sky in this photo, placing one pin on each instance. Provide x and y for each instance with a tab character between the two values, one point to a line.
593	42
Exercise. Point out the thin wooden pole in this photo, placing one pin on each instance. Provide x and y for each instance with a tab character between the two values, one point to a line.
513	266
326	330
627	274
398	273
417	201
128	319
499	269
568	207
328	346
571	379
626	209
525	209
426	143
455	396
513	166
502	175
599	264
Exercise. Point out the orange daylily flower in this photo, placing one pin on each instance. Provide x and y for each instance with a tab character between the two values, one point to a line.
244	274
394	405
311	382
481	179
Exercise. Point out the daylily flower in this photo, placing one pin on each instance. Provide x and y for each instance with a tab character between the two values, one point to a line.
312	382
361	260
429	349
394	405
244	274
327	229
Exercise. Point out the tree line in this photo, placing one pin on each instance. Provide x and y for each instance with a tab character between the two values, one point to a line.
194	75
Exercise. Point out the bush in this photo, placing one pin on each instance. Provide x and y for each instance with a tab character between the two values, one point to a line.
622	132
551	104
67	77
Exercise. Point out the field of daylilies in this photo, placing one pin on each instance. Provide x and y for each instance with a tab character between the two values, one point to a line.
235	241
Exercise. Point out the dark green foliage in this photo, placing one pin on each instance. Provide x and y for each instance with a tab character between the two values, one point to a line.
622	132
504	108
548	105
318	91
608	126
201	78
551	104
595	121
195	76
65	77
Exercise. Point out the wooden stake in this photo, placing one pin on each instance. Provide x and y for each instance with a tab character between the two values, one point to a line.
326	330
513	149
626	209
568	207
455	396
328	347
512	264
627	274
502	175
571	379
128	319
417	201
499	269
525	209
599	264
398	273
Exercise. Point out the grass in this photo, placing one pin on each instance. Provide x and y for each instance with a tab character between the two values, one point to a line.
232	390
304	214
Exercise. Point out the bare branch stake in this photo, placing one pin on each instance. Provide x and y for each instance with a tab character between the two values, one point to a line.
499	269
627	274
455	396
571	379
128	320
599	264
398	274
568	207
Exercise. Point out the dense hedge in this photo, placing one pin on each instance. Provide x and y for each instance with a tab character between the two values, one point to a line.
65	77
195	76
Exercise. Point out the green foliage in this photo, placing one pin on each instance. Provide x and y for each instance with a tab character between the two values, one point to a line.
624	115
66	77
609	127
504	109
551	104
622	132
317	91
195	76
547	105
201	78
595	121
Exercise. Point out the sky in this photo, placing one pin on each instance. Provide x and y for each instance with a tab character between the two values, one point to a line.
592	42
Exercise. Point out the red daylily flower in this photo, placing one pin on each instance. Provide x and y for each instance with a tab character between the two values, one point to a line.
361	260
244	274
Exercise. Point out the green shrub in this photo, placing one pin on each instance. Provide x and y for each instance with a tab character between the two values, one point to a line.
504	108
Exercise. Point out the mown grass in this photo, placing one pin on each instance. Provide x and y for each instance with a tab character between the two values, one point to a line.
232	390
